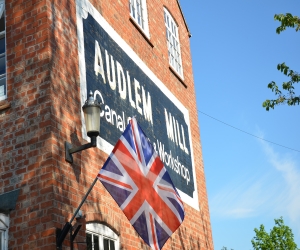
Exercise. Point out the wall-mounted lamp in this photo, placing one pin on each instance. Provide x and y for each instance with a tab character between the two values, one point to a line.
91	110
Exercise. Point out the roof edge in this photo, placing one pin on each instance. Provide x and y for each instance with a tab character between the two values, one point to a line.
187	28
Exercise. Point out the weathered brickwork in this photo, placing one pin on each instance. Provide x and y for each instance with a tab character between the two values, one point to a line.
42	111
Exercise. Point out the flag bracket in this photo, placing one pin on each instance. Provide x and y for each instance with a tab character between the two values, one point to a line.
61	234
73	236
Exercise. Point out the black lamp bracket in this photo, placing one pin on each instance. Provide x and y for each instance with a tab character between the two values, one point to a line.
69	149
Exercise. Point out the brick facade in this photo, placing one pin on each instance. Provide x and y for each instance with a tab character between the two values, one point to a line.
42	111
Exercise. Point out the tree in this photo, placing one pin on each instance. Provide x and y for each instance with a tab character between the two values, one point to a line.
290	98
281	237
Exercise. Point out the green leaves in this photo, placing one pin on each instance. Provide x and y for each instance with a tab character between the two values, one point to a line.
287	20
280	237
290	98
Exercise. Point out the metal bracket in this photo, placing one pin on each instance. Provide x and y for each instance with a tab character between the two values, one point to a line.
61	235
69	149
68	156
73	236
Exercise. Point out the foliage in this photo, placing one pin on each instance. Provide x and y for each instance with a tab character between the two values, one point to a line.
280	237
225	248
290	98
287	20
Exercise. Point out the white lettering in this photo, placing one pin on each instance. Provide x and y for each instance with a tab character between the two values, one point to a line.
113	115
107	114
128	119
97	92
176	169
175	133
121	81
120	123
137	96
154	146
147	108
98	59
129	90
111	78
171	162
169	125
183	138
179	139
161	150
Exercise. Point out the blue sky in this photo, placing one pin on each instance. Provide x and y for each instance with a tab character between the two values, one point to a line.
235	51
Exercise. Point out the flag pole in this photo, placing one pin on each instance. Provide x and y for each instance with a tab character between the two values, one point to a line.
84	198
68	225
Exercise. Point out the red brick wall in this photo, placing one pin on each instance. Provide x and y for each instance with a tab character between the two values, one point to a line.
25	126
44	98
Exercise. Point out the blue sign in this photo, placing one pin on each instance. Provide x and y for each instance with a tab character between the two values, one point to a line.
126	87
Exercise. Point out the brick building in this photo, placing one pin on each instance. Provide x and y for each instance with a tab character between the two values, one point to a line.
134	55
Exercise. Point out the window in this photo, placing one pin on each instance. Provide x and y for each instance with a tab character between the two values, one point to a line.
2	52
4	224
173	43
138	11
101	237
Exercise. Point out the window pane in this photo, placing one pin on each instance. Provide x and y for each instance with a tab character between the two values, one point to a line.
2	45
2	7
89	243
173	43
1	240
139	13
2	87
133	11
96	242
2	23
102	237
105	244
112	245
2	65
168	23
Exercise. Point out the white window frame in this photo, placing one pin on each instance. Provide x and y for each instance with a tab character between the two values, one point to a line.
3	34
138	12
173	43
4	226
103	231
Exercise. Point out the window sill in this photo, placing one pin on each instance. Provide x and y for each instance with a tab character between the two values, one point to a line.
178	76
4	105
141	31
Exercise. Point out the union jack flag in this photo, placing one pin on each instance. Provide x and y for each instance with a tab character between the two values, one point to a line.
136	178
